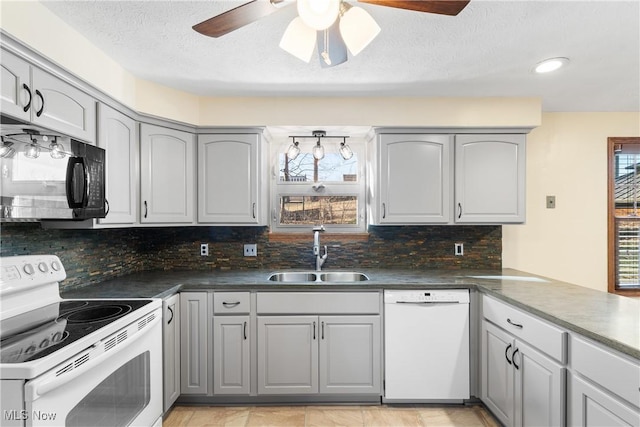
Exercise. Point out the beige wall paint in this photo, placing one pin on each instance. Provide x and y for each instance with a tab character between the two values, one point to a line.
567	157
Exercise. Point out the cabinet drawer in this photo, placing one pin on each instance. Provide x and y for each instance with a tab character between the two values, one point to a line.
318	303
609	370
231	302
542	335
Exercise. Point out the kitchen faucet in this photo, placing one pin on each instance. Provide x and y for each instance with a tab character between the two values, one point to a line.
320	259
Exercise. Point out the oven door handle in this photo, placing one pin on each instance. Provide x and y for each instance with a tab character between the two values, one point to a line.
49	385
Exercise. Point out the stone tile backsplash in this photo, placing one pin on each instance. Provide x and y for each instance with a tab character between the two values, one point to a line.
92	256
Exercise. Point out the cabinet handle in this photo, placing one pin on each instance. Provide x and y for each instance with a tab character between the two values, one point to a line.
106	202
459	210
506	356
39	112
513	358
254	211
26	107
322	324
146	209
171	318
230	304
517	325
314	330
384	210
245	330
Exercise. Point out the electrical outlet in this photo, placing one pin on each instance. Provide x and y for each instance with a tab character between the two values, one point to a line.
458	249
251	249
204	249
551	202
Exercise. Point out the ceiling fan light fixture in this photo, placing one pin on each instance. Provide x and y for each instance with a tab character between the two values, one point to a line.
357	27
318	14
551	64
299	40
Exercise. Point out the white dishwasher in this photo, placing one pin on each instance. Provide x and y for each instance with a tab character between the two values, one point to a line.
426	345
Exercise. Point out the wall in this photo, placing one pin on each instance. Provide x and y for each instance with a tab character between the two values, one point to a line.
91	256
567	157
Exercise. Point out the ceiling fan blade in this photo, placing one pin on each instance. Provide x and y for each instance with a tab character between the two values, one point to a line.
236	18
442	7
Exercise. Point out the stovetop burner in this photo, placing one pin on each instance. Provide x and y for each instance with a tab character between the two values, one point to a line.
59	326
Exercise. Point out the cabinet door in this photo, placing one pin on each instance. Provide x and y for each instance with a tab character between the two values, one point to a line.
591	406
171	350
414	179
231	355
228	179
350	354
117	135
539	388
490	178
193	356
61	107
497	372
15	87
287	354
166	175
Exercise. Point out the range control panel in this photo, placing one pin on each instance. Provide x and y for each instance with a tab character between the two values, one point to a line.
31	268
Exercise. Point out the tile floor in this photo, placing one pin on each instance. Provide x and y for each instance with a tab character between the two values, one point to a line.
327	416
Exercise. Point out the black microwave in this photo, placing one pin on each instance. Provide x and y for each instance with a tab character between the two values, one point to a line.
49	176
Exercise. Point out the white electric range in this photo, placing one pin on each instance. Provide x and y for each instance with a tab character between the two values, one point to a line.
94	362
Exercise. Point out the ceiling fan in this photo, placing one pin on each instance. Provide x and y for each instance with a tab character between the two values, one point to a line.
334	25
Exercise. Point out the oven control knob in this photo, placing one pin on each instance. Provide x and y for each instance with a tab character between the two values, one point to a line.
28	268
43	267
55	265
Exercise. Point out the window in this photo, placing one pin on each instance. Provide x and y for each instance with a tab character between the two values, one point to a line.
624	215
310	192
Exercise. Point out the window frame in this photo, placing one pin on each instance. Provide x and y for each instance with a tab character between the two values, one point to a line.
284	188
612	265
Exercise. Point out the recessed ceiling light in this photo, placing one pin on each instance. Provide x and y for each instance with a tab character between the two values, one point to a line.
550	64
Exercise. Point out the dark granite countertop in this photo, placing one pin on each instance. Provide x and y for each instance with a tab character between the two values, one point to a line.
609	319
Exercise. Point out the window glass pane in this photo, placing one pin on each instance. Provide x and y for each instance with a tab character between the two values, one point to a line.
118	399
305	168
628	263
627	184
314	210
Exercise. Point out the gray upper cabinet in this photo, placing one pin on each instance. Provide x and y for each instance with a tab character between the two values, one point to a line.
228	174
490	178
167	175
414	179
117	135
33	95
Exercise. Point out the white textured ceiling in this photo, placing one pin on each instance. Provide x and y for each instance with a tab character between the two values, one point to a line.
489	49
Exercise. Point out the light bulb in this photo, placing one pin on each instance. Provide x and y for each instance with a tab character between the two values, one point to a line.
318	14
318	151
32	151
345	151
293	151
57	150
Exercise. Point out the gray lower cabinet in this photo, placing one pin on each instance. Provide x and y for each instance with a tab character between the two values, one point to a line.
319	354
171	348
231	354
194	339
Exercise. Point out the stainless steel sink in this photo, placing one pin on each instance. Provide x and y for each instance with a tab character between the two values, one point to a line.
306	276
343	276
293	276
